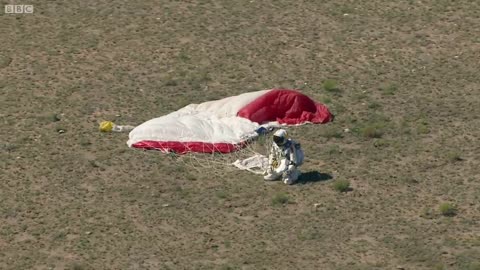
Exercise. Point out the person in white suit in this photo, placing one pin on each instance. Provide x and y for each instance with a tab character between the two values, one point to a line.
286	155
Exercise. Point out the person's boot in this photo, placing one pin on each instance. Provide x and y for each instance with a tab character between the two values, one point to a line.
270	175
292	177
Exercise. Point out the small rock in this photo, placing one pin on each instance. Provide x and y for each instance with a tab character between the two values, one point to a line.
346	130
316	205
165	205
88	233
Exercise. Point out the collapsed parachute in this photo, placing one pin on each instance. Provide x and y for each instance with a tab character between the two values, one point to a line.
227	125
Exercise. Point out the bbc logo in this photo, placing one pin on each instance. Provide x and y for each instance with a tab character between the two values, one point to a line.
19	9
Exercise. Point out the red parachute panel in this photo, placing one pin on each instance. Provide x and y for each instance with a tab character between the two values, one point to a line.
185	147
287	107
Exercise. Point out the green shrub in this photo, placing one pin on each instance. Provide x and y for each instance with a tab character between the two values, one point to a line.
171	83
374	105
333	150
77	266
390	89
191	177
54	117
221	194
454	156
381	143
330	85
10	147
341	185
422	127
280	199
371	131
331	133
448	209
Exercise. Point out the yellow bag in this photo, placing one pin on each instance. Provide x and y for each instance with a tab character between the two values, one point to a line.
106	126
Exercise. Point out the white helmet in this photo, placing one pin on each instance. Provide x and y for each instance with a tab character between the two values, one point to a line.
280	137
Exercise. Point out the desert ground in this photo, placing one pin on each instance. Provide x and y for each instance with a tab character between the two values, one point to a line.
392	183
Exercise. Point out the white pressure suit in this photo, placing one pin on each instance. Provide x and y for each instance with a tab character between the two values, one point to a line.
283	161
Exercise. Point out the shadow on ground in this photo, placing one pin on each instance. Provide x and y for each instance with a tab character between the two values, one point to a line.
313	176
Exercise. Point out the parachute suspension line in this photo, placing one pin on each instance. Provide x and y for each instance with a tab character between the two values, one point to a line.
212	160
216	162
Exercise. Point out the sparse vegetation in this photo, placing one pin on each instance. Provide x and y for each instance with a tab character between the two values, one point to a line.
390	89
332	133
54	117
381	143
333	150
330	85
191	177
309	234
372	131
280	199
423	127
10	147
183	56
341	185
171	82
448	209
5	61
373	127
94	163
374	105
454	156
474	266
221	194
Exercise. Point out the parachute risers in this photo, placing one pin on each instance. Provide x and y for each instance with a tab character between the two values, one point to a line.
226	125
109	126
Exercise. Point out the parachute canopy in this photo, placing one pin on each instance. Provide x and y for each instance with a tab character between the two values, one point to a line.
226	125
